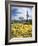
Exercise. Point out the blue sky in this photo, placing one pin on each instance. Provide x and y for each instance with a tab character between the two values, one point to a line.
17	12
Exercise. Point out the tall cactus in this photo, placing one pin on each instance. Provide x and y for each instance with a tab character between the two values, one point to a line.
27	16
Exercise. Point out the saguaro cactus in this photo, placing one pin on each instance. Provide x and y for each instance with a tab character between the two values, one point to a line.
27	16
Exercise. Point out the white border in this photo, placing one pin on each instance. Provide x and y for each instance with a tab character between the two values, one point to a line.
33	26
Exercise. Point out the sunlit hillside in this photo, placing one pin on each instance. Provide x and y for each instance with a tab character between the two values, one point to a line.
20	30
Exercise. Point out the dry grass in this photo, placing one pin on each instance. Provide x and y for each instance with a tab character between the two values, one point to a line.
20	30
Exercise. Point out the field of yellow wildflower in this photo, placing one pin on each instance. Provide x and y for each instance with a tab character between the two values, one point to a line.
20	30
